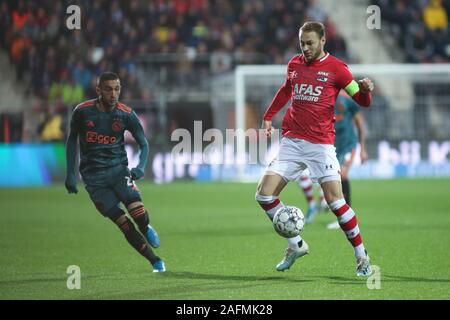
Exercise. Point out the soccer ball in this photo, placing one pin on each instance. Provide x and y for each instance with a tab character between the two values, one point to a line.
288	221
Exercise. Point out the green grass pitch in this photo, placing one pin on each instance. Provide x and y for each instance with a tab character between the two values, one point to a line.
218	244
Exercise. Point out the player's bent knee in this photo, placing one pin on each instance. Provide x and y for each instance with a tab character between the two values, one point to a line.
133	202
271	184
119	217
134	205
332	190
332	197
136	209
264	190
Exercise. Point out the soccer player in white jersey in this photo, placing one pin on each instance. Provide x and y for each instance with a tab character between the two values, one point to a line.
314	79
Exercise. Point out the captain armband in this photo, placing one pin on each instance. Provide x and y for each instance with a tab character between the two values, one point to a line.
352	88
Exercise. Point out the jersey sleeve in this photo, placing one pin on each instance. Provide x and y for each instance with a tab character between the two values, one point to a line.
343	76
344	80
137	131
71	144
135	127
282	96
75	121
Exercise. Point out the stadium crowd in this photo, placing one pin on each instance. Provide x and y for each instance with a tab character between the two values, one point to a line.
420	27
59	63
59	66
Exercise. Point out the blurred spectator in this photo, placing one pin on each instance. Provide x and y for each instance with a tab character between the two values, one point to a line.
72	93
335	42
19	46
20	15
441	43
314	12
435	16
11	127
81	75
50	129
419	47
5	23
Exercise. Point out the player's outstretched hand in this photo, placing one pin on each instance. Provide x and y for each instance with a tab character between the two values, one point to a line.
364	155
268	127
365	85
71	184
136	173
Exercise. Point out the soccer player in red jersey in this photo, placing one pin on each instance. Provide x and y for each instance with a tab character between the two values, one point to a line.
313	82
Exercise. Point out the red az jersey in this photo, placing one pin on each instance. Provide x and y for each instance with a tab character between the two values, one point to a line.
312	88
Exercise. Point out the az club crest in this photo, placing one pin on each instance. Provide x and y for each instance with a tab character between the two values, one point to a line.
322	76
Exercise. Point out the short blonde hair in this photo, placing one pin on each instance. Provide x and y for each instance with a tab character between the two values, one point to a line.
312	26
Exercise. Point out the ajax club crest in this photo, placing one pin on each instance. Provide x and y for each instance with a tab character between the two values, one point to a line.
117	125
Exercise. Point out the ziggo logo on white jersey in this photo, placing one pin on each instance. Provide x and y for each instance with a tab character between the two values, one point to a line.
307	92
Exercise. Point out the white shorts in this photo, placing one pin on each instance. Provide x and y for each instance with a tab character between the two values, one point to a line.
296	155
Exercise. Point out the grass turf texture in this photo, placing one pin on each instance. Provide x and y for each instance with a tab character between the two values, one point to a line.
218	244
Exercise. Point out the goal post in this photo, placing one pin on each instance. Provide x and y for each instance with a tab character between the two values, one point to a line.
411	102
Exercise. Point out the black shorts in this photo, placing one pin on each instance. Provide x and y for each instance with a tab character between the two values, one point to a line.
108	187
